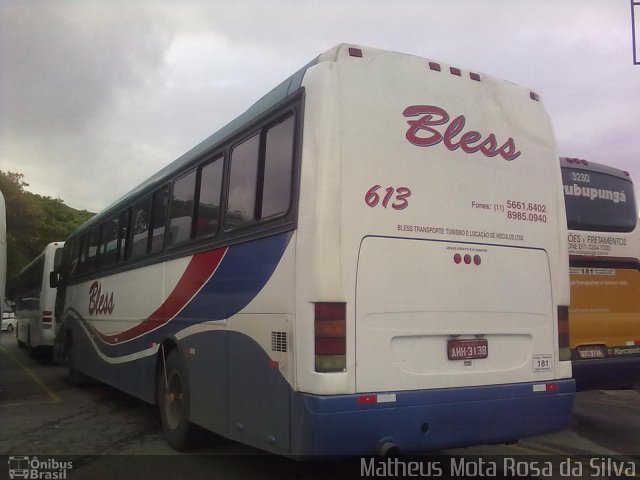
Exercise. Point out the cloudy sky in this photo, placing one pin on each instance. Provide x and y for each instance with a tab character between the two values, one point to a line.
96	96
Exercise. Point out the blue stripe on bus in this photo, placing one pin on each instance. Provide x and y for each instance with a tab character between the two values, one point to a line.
244	389
239	278
428	420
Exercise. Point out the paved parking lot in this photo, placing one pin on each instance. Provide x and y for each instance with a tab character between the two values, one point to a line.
112	435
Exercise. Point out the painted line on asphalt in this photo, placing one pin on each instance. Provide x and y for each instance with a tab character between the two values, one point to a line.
538	451
27	404
53	397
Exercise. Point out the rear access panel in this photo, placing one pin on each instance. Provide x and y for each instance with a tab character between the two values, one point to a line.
433	314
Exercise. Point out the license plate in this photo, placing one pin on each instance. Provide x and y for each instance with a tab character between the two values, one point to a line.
467	349
595	351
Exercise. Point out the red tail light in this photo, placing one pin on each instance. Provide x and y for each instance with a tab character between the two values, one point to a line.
330	336
47	316
563	333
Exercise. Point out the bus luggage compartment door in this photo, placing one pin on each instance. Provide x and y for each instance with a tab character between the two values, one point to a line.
435	314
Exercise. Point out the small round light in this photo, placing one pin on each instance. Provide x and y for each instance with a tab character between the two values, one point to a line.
477	260
457	258
467	259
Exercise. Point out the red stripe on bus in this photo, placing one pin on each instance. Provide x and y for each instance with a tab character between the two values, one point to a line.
199	270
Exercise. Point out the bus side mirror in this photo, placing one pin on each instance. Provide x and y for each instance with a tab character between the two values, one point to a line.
54	279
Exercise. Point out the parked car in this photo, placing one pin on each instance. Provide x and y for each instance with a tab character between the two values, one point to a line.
8	317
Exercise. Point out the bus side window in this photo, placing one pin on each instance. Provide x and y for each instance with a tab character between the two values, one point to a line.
57	259
75	258
208	216
182	202
278	168
159	218
140	227
109	244
82	254
243	183
66	265
92	252
123	236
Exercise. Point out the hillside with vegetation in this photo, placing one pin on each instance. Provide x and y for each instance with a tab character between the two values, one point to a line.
33	221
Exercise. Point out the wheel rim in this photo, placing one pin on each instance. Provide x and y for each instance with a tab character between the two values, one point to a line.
173	406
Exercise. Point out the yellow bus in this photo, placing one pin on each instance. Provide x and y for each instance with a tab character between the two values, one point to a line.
604	249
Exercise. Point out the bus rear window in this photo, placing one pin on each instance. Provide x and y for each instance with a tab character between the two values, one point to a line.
598	202
278	165
243	182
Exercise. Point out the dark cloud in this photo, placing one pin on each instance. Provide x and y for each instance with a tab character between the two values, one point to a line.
65	65
97	96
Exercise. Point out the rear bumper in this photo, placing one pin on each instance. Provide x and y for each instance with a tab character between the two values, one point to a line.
603	373
428	420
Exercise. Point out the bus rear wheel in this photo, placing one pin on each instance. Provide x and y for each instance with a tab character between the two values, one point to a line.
74	377
173	402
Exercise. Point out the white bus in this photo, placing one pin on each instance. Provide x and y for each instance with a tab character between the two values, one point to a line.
35	300
370	259
3	261
604	315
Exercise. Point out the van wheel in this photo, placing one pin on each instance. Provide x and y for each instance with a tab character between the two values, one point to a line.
21	344
30	348
173	402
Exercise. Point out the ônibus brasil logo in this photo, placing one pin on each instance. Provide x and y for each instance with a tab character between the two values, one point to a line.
422	133
35	468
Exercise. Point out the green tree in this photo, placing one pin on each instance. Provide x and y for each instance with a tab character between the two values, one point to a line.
33	221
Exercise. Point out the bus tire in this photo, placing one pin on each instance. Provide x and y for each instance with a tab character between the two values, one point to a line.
74	377
173	403
30	348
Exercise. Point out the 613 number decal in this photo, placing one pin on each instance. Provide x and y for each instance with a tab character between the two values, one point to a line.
396	196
